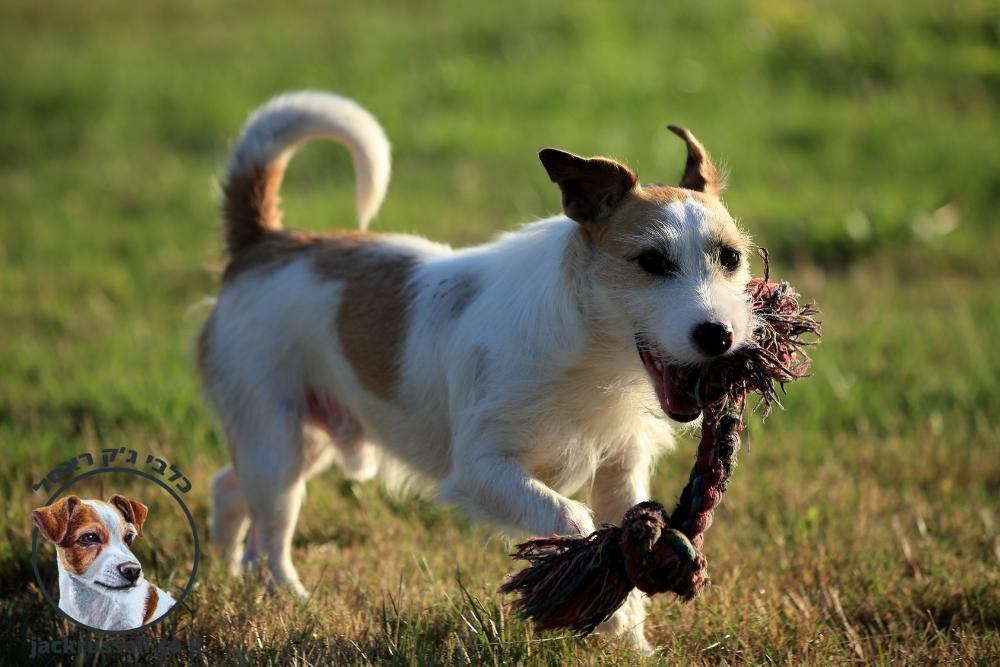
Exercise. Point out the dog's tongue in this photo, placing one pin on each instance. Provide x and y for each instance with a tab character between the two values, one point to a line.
677	404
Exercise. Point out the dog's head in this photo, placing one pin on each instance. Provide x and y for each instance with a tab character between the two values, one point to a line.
93	539
668	263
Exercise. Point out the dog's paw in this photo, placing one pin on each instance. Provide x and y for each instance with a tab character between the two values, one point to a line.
642	645
627	624
574	519
277	583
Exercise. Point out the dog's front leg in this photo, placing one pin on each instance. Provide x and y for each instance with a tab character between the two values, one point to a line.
619	484
493	486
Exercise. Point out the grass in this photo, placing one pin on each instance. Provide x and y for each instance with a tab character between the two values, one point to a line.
862	138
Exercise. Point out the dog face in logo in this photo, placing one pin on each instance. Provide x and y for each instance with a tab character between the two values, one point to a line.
93	540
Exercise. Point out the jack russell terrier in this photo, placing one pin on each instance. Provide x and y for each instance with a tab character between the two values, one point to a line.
505	376
100	581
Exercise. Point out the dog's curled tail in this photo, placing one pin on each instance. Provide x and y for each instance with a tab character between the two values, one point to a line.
273	132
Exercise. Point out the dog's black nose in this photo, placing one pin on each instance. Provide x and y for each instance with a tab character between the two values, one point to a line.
713	338
131	571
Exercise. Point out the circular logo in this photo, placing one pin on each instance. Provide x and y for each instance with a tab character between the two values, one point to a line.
103	586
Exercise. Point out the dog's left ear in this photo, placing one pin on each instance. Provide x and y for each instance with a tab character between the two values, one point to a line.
53	520
135	512
699	172
591	187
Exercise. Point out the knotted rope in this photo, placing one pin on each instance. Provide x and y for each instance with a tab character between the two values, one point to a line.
579	582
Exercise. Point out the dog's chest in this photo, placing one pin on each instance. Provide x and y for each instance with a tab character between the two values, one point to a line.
572	437
566	466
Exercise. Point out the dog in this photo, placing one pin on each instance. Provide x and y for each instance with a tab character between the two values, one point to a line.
506	376
101	583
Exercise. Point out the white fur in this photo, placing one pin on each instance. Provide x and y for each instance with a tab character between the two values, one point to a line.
508	403
85	598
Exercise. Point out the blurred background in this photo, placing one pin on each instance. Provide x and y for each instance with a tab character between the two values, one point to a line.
864	153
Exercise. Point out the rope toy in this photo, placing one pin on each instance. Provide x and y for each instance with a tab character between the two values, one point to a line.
579	582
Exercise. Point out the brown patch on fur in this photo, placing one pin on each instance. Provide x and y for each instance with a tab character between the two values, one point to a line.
644	206
638	210
664	194
373	315
250	205
77	557
273	251
152	599
372	318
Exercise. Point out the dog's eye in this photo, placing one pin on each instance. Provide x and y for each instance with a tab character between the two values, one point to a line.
89	538
656	263
129	538
729	258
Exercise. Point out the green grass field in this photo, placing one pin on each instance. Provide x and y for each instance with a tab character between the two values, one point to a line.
862	524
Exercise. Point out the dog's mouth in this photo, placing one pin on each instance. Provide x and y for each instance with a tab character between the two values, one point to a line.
122	587
665	378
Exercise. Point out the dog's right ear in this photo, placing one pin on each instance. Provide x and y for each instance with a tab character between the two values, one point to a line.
53	520
591	187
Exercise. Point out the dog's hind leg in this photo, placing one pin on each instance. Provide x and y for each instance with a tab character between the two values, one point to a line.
229	522
270	462
322	443
229	507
